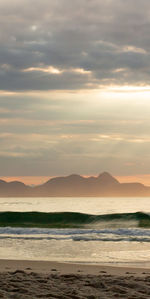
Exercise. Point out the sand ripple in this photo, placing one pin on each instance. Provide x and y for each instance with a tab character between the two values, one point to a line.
23	285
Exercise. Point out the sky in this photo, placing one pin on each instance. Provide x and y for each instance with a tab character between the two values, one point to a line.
74	88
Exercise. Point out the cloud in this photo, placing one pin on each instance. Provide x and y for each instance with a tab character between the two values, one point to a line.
65	71
95	36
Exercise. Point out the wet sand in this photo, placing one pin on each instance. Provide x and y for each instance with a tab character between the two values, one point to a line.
41	279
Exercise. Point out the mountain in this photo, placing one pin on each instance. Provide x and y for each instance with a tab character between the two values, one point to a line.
75	185
13	189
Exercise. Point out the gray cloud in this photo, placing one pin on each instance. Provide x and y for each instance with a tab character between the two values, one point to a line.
99	36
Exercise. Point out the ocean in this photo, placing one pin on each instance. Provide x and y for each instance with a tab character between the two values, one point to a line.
110	231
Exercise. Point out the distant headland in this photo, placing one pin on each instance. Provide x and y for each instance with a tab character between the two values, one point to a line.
104	185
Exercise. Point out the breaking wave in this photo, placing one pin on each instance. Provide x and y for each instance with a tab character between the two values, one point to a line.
73	220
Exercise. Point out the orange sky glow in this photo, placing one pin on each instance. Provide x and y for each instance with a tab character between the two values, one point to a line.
37	180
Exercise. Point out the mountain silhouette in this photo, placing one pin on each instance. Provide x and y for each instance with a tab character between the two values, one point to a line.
75	185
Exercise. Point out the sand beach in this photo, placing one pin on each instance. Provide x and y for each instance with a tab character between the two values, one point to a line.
41	279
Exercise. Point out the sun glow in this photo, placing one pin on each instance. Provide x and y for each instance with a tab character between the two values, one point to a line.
129	88
49	69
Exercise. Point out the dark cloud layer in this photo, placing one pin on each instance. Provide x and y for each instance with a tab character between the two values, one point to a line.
108	38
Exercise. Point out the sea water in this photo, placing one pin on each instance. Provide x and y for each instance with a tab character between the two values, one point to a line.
111	240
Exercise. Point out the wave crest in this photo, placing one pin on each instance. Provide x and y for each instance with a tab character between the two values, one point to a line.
72	219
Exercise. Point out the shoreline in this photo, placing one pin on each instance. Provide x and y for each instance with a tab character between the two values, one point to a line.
71	268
